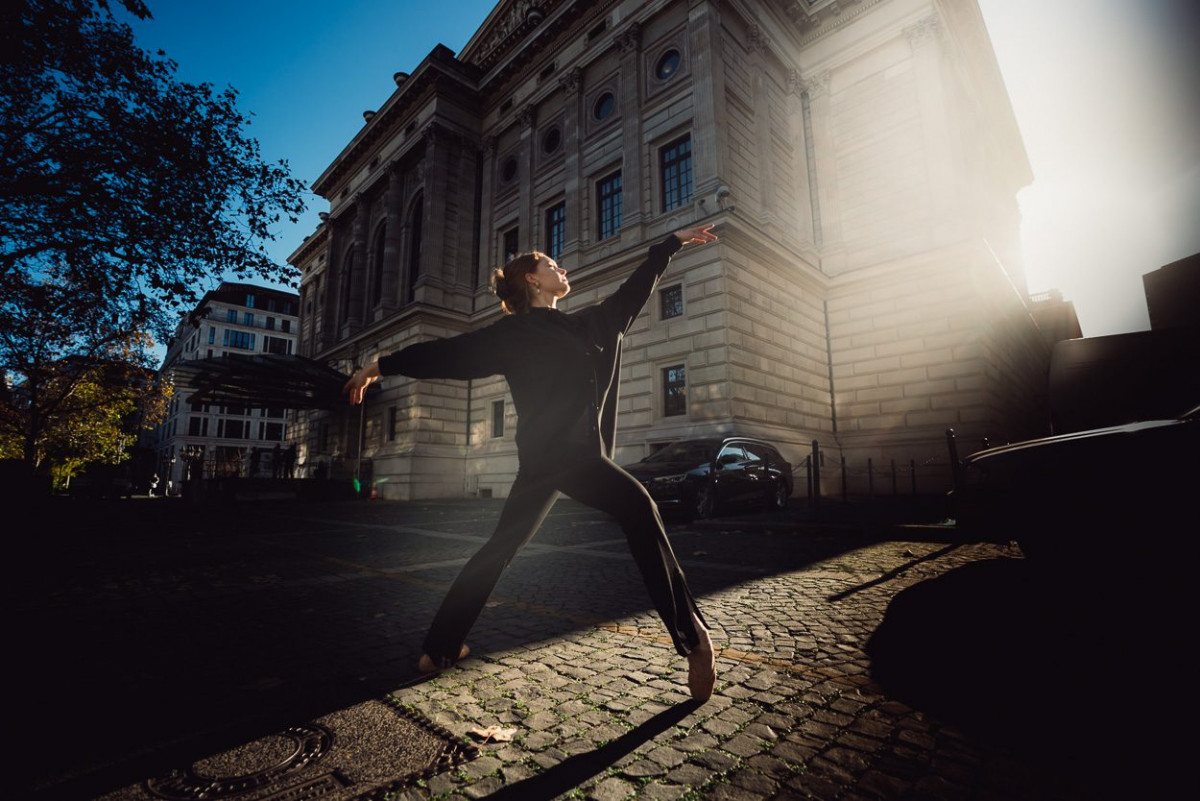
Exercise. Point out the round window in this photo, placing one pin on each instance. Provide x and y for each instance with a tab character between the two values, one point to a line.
604	105
668	65
508	170
551	140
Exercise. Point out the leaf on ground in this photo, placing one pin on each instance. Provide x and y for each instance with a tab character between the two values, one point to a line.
497	734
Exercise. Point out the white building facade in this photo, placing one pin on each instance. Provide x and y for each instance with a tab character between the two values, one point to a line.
859	160
215	440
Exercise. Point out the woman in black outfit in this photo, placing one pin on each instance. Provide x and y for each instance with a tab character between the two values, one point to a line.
563	372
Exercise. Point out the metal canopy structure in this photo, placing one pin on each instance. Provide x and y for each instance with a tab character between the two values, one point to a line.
263	380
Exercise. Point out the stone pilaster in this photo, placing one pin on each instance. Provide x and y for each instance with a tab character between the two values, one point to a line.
829	231
933	101
574	185
708	96
391	242
633	202
527	216
805	189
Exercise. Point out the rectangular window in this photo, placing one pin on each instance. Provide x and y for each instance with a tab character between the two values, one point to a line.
275	345
231	316
392	423
232	429
270	324
608	206
674	381
286	326
250	301
497	418
248	319
556	230
239	339
236	408
212	334
671	302
676	162
274	432
195	426
510	246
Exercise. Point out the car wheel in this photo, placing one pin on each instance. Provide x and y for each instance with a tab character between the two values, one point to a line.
779	497
705	502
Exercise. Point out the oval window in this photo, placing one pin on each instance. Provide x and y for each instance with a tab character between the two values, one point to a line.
551	140
668	65
604	105
508	170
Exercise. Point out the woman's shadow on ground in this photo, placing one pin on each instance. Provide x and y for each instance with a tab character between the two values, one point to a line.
1083	676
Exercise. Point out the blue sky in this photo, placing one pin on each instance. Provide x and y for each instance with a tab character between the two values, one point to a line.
1105	93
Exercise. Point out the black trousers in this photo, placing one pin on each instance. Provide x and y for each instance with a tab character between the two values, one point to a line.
600	483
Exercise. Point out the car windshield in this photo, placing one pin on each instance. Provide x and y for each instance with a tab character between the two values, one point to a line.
692	452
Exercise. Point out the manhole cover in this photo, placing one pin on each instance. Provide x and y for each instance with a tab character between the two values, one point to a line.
357	754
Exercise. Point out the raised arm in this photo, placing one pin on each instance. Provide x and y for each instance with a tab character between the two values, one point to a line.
622	307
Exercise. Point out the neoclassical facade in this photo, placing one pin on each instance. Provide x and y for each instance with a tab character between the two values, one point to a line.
859	160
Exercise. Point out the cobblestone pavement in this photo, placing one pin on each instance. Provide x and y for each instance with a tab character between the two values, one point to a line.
852	665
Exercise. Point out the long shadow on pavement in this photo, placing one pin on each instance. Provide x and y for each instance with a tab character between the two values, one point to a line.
152	633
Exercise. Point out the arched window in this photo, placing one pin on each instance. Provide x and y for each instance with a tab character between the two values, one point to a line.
414	248
377	265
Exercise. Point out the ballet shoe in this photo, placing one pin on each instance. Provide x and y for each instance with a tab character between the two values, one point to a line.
427	665
702	670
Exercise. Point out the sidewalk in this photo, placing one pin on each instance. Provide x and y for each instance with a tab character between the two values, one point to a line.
173	646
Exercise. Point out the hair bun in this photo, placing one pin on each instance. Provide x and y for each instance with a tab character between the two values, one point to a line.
499	284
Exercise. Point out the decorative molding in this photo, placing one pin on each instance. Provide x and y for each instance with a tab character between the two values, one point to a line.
572	81
628	40
923	32
758	41
527	116
816	85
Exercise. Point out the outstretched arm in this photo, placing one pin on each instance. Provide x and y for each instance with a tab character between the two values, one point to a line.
363	377
620	309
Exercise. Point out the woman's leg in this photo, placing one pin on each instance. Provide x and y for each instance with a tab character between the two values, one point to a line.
526	507
602	484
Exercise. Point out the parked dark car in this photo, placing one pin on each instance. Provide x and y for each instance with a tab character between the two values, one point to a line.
1107	496
699	478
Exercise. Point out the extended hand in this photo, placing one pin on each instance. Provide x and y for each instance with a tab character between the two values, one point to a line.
363	377
701	234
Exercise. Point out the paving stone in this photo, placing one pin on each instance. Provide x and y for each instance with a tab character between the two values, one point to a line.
690	774
611	789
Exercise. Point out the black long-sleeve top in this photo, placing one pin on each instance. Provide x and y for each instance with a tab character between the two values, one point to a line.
562	368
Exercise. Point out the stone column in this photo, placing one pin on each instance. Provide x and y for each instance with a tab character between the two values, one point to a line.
708	96
827	214
528	238
489	258
574	184
359	276
765	166
633	184
433	226
805	189
924	37
391	240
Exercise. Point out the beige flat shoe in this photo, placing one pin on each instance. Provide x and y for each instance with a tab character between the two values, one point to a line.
427	665
702	671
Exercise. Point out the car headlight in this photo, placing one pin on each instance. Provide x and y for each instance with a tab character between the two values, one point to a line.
674	479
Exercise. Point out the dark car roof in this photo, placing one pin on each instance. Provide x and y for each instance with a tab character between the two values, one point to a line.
1192	416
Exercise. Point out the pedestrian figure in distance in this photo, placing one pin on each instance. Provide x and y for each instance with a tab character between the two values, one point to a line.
276	459
562	370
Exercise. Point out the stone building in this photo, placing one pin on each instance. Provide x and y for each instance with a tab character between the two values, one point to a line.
860	161
226	439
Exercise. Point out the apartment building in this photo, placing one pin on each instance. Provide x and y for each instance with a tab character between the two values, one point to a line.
209	439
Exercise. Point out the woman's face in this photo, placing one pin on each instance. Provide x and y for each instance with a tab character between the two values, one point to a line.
550	277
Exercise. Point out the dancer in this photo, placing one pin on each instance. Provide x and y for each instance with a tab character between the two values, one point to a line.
563	372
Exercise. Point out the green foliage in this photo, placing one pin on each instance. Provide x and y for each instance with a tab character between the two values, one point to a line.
132	187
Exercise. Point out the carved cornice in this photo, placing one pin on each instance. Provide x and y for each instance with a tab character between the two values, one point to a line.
527	116
758	41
